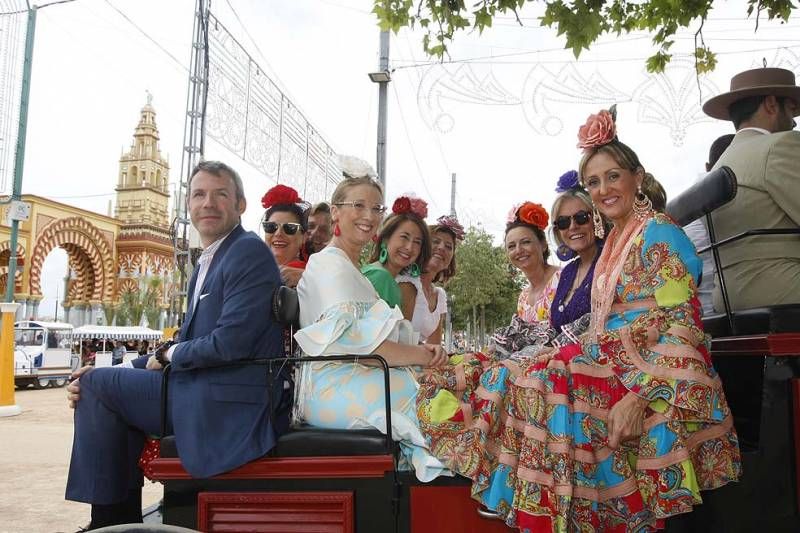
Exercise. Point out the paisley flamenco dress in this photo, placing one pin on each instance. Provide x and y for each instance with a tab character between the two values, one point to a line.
450	405
539	453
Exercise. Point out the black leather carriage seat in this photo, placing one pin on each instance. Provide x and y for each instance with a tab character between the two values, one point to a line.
714	190
314	442
761	320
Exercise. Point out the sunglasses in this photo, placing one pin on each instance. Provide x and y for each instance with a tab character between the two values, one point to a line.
289	228
581	217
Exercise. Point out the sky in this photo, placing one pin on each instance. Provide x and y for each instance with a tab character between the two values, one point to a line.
502	113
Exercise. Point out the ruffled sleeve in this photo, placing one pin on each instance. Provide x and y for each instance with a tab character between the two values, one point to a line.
353	328
663	354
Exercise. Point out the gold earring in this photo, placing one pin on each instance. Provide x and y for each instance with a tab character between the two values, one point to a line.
597	220
642	205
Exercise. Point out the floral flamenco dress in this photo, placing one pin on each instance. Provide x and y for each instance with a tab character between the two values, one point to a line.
455	404
341	313
547	437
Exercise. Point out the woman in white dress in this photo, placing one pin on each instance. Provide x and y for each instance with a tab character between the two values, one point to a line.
422	300
341	313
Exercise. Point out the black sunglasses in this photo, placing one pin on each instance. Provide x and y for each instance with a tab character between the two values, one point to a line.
289	228
581	218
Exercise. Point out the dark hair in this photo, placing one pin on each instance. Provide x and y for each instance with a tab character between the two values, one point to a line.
719	146
445	275
219	169
744	108
627	159
321	208
536	231
388	228
296	210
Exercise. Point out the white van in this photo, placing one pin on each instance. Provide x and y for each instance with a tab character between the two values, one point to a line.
42	354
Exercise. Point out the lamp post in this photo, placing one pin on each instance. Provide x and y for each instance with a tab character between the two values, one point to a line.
9	309
382	78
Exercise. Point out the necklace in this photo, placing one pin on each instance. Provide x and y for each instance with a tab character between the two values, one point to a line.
430	295
573	289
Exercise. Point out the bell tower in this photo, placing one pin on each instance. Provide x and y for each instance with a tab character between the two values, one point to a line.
142	186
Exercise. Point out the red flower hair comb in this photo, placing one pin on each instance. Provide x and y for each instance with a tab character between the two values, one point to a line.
408	204
599	130
529	213
281	195
451	224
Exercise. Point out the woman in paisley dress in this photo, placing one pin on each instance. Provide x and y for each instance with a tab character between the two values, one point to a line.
456	385
526	247
575	234
624	428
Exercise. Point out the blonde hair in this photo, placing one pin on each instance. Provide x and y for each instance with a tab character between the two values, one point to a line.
340	192
576	192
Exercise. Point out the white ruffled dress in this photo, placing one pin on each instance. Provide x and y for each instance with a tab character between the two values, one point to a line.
341	313
424	320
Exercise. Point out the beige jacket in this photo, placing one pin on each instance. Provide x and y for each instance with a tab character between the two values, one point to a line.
767	169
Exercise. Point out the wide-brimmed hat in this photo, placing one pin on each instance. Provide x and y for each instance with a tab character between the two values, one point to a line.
754	82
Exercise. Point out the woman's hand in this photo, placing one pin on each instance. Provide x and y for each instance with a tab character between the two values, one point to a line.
438	357
626	419
290	275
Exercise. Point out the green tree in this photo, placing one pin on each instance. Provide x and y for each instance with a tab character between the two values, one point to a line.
142	302
110	310
152	295
581	22
483	291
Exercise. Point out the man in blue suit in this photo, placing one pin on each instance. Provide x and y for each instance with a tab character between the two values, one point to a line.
222	417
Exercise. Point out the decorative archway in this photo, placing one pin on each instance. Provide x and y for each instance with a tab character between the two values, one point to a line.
90	257
81	285
5	254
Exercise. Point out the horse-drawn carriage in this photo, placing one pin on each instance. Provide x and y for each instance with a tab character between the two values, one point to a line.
338	480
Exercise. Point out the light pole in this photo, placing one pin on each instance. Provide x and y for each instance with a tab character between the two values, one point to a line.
382	78
8	407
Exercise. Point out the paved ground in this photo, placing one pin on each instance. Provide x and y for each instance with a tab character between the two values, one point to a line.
34	456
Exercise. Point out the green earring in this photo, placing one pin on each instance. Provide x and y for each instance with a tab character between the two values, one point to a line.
384	254
415	270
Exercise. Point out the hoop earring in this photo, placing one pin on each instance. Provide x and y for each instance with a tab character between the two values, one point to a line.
564	252
642	205
415	270
384	255
597	220
336	231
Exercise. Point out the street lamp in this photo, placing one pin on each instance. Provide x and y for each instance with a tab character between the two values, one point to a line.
383	76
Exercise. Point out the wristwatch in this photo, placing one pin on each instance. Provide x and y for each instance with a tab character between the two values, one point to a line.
161	353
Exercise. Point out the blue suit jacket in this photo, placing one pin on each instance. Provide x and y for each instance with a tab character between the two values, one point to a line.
221	416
